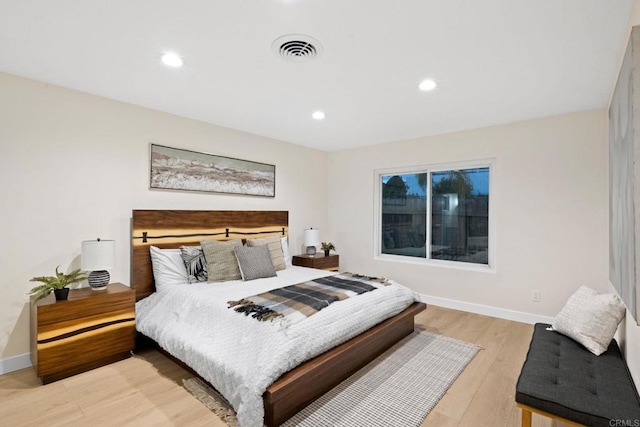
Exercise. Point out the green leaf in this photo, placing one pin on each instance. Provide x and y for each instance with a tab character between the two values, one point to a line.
59	281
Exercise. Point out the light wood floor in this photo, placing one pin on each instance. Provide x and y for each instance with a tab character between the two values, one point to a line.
146	390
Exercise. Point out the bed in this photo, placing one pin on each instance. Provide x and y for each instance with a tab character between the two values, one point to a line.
180	322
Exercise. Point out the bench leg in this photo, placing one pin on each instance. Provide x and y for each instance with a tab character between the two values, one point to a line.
526	418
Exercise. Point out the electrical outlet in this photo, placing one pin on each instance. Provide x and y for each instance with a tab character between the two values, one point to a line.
535	295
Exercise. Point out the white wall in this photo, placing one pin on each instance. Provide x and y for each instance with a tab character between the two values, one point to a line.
550	199
550	194
73	166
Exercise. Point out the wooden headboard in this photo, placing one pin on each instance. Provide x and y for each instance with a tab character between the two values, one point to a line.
174	228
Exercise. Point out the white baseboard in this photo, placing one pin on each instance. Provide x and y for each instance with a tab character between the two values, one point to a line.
15	363
501	313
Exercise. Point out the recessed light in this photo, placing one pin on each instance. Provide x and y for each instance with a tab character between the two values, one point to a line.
427	85
318	115
172	60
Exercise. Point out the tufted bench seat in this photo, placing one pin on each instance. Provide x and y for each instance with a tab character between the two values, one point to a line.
563	380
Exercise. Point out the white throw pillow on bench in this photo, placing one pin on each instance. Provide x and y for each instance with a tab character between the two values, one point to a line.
590	318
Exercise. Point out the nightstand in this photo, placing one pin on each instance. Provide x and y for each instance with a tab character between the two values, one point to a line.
90	329
331	262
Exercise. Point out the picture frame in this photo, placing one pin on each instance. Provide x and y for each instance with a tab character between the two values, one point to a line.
624	180
186	170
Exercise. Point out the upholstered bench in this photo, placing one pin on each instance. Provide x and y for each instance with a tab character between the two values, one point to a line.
563	380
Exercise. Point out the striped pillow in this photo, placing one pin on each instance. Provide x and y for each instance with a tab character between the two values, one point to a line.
221	261
275	250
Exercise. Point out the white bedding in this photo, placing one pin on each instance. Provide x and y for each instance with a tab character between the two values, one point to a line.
241	356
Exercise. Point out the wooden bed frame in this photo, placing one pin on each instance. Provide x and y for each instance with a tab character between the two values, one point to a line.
302	385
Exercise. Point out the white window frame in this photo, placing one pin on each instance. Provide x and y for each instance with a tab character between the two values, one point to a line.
429	169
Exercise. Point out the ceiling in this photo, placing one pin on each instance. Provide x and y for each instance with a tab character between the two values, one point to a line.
495	61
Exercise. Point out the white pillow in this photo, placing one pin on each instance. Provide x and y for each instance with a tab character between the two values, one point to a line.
168	267
590	318
285	251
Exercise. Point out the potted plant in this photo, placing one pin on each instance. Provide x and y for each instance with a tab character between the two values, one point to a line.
58	284
327	247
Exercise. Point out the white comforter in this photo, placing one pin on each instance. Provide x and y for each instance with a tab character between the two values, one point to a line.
241	356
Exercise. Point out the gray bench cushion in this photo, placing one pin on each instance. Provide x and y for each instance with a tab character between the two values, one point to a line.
563	378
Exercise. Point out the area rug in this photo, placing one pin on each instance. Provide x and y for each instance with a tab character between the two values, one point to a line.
399	388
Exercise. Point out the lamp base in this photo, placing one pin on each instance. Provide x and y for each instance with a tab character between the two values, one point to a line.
98	280
311	250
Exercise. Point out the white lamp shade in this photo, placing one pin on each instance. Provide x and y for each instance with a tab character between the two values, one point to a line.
311	237
98	254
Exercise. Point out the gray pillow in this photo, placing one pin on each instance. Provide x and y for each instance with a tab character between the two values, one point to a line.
195	263
254	262
275	250
221	261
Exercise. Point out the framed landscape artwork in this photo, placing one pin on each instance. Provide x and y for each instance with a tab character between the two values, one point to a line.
177	169
624	179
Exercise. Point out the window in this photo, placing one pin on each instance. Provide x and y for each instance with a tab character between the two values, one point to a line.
435	214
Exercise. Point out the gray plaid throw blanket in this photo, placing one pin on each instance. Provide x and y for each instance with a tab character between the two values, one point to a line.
299	301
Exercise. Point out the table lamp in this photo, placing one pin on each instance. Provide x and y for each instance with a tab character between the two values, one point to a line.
97	257
311	240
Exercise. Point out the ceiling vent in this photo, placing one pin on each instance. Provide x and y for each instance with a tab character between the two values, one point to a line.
296	48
